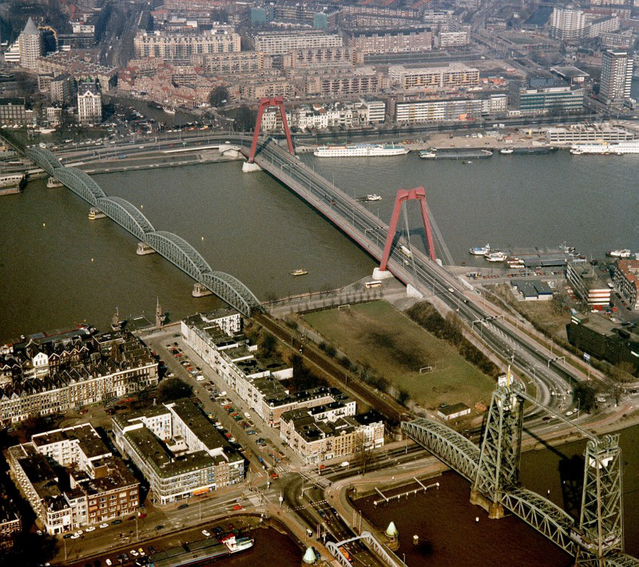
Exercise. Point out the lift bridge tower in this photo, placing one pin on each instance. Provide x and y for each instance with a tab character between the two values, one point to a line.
597	538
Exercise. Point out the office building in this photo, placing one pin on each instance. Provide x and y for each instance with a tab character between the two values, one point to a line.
71	479
89	103
545	97
30	44
616	76
450	109
178	450
588	285
13	112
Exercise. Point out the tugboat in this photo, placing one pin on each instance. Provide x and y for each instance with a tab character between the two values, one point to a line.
299	272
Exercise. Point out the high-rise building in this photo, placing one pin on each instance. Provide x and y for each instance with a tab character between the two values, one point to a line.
89	102
30	43
567	24
616	76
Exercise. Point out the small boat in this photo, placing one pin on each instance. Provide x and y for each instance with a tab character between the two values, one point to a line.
496	256
373	197
506	151
427	154
236	544
480	251
467	162
53	182
169	110
299	272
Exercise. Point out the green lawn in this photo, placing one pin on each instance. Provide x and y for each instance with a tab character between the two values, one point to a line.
396	348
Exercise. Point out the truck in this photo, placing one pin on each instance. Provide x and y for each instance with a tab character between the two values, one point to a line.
405	251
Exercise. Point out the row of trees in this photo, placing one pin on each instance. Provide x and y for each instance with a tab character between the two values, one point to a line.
450	330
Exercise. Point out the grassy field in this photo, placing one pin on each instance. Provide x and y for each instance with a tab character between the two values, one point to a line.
396	348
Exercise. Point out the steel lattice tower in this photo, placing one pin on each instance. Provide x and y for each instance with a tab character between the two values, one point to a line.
601	518
499	460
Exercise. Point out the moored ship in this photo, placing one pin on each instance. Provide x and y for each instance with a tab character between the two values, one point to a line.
625	253
52	182
480	250
237	544
496	256
622	148
361	150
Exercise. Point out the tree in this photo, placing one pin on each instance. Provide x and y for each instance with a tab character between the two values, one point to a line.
585	396
269	342
402	397
245	118
29	549
173	389
219	96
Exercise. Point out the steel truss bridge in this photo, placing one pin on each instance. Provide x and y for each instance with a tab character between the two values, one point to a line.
172	247
596	539
381	552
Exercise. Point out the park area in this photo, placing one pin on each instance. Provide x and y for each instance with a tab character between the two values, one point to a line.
378	336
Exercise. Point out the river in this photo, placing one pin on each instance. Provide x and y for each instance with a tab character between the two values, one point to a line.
57	267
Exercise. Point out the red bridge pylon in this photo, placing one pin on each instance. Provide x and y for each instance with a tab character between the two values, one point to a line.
277	101
418	194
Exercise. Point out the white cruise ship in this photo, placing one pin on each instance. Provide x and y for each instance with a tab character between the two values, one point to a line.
630	147
361	150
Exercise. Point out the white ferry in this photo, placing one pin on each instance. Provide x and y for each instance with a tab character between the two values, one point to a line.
630	147
495	257
361	150
11	180
625	253
480	251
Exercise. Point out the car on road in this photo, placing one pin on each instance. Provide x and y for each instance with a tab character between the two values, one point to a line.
134	553
102	526
89	529
237	507
275	476
141	515
158	528
251	432
116	522
108	562
206	533
183	506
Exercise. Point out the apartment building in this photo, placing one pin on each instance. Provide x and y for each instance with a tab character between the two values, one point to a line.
178	450
450	109
181	46
453	77
361	81
322	57
232	62
281	42
72	479
626	281
53	375
69	64
10	523
256	378
13	112
330	432
370	41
